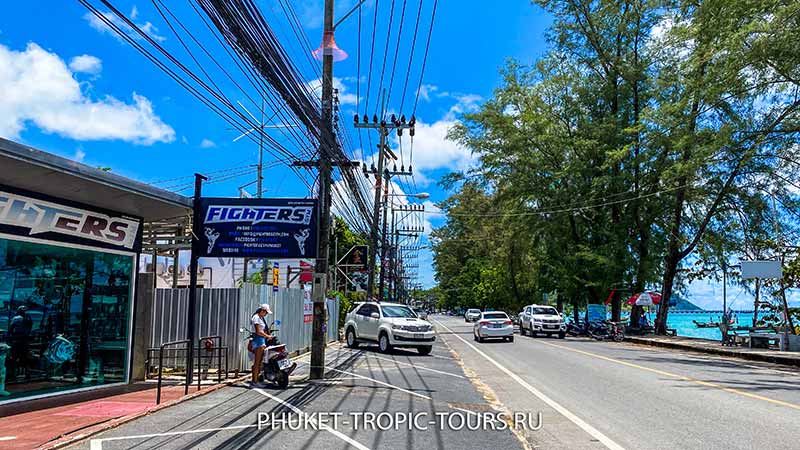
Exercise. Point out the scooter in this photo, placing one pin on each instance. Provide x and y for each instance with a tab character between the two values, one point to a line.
276	365
606	330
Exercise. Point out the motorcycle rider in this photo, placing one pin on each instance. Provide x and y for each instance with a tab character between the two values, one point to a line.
261	335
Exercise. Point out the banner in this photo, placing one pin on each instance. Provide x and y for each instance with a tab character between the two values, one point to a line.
24	213
308	305
276	273
258	228
596	312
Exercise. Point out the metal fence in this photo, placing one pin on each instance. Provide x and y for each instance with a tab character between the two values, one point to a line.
227	313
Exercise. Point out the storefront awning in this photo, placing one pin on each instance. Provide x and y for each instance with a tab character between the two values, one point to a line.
37	171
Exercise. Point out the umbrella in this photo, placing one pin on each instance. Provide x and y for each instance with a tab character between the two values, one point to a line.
645	299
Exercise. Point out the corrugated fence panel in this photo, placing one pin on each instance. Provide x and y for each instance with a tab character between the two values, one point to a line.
227	313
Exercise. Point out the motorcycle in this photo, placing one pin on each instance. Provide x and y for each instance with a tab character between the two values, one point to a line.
276	365
606	330
577	329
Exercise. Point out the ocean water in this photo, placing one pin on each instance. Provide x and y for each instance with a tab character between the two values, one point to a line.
682	322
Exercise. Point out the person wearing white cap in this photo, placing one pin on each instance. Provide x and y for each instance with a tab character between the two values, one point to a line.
260	337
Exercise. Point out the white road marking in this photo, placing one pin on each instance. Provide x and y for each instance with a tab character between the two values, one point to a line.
300	413
592	431
415	394
97	444
413	365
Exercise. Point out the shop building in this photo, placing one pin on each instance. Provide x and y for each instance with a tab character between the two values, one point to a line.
70	240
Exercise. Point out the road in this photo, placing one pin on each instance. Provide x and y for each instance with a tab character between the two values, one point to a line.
356	381
597	395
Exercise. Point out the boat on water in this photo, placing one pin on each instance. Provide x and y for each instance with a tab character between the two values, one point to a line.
709	324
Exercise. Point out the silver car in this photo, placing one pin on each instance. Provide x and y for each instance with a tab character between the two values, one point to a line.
472	315
493	324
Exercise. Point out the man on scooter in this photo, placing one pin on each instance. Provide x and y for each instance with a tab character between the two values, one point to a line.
261	336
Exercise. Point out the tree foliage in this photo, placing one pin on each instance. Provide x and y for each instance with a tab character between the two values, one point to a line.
643	151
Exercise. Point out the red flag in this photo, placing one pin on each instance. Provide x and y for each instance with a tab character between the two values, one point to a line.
610	296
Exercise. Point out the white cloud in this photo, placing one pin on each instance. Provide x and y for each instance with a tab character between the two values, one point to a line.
207	143
345	98
37	87
100	25
79	155
426	90
86	64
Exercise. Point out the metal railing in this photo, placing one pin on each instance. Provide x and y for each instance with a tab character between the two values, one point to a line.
161	366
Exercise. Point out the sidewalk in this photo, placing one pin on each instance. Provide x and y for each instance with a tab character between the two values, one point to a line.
714	347
394	401
56	427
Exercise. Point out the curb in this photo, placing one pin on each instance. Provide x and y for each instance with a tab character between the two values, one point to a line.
761	357
85	433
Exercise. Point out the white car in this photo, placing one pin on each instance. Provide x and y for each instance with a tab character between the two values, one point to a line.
472	315
544	319
493	324
390	325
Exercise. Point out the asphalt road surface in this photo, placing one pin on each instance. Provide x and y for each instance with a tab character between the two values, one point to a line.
597	395
357	381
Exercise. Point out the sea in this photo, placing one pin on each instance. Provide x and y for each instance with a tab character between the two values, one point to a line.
682	322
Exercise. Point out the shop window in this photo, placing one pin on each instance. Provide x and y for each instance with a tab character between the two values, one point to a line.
64	317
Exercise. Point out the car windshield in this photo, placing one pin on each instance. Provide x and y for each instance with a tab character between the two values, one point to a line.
551	311
495	316
398	311
473	311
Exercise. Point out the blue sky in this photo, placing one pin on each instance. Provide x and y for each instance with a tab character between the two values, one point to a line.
72	88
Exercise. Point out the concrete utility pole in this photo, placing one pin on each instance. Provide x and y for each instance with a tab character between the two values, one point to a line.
383	128
317	370
191	332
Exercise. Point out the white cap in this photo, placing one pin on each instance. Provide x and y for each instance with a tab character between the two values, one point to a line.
265	307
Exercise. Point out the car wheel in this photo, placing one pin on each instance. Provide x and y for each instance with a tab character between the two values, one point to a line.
511	339
351	338
383	343
521	330
562	335
425	350
480	339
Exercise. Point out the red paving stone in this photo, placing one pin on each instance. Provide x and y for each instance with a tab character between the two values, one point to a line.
34	429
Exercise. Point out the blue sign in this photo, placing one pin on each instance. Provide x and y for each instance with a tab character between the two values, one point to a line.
596	312
258	228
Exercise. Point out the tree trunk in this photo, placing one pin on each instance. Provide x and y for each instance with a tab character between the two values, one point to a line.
616	306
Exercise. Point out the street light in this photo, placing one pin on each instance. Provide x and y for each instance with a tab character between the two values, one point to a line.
420	196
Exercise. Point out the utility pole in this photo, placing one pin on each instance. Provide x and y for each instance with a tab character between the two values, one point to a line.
317	370
383	128
324	164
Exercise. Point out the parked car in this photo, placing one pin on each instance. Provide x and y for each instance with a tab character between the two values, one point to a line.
390	325
544	319
472	315
421	313
493	324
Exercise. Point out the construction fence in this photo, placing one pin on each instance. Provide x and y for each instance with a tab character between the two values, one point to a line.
226	312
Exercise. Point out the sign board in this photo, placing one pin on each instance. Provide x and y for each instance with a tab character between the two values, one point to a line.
306	272
761	269
356	258
25	213
308	305
275	276
258	228
596	312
